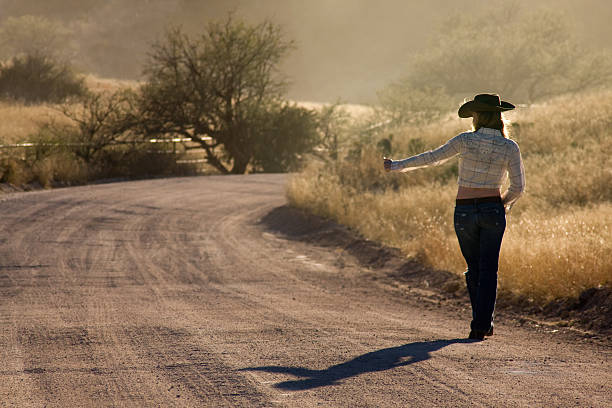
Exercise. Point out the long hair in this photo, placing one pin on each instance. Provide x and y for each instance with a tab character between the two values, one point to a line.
492	120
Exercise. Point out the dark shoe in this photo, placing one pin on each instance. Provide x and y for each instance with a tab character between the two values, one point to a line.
490	332
476	335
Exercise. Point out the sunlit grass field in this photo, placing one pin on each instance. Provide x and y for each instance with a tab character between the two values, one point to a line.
21	122
559	236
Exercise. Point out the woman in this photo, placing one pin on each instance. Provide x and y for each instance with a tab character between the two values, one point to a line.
485	154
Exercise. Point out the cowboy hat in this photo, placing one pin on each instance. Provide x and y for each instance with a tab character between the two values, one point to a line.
484	103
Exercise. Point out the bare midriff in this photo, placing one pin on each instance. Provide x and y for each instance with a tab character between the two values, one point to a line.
470	192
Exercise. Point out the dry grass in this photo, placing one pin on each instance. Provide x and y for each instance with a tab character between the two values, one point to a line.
559	236
97	84
353	110
19	122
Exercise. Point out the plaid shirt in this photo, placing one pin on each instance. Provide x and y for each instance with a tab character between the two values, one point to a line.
484	158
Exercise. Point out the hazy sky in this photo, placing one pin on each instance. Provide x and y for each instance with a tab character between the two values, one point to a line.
351	48
346	49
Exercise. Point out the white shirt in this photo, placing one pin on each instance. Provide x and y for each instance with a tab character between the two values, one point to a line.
485	156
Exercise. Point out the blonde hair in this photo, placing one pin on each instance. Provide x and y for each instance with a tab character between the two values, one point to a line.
492	120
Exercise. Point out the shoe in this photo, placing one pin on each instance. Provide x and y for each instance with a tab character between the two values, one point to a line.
490	332
477	335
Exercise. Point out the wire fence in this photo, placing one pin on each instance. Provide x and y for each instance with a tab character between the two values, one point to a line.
174	141
181	159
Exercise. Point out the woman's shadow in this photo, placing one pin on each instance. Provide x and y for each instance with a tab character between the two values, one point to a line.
379	360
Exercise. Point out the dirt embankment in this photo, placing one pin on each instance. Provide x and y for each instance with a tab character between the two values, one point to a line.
590	313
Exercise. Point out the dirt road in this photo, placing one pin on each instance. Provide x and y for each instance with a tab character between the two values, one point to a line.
173	293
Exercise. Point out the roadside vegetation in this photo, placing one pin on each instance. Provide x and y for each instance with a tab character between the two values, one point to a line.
559	237
209	102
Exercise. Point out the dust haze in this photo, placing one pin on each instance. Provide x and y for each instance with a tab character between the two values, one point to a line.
345	49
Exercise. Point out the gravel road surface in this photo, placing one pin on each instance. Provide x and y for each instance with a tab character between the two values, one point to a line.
172	292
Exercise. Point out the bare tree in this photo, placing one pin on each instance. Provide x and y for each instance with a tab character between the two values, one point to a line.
98	120
218	89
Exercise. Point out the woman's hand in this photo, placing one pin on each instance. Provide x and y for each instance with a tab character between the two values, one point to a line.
387	164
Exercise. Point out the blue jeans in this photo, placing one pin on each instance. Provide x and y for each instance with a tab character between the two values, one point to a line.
480	229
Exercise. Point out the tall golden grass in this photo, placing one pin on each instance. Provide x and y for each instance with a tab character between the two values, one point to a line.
559	236
21	122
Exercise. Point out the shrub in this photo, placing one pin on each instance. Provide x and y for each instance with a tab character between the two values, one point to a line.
14	171
97	120
36	79
291	131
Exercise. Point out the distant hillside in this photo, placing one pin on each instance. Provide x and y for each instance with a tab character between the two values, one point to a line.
346	49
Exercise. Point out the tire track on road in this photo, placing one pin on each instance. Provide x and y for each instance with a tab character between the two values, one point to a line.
168	293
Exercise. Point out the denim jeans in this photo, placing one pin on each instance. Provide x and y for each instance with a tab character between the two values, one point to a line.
480	229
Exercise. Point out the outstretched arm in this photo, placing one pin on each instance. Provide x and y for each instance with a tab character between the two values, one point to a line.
429	158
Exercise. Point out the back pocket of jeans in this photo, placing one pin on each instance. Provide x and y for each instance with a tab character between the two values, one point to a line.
494	216
461	218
